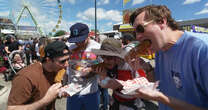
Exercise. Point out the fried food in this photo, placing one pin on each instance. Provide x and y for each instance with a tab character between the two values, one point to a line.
140	49
143	47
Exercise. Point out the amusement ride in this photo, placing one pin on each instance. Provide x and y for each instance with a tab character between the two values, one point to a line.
31	12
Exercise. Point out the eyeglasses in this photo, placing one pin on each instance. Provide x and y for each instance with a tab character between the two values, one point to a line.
140	28
107	57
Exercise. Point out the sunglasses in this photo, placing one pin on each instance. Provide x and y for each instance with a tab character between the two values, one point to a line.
63	61
140	28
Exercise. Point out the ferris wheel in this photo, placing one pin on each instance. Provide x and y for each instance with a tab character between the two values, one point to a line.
46	15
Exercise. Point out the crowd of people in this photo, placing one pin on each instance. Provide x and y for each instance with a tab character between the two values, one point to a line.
88	69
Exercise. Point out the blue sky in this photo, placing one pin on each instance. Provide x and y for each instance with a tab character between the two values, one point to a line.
109	12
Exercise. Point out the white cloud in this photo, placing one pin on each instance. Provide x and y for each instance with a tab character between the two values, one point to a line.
106	1
137	2
179	20
46	13
51	0
102	14
65	25
35	11
99	3
46	27
50	25
114	15
44	3
204	11
109	15
109	24
52	4
103	2
5	13
44	20
71	1
206	4
190	1
26	19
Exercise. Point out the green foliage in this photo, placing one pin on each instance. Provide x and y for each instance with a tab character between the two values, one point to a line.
94	30
50	34
59	33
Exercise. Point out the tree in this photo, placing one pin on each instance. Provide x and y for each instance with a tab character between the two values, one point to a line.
50	34
59	33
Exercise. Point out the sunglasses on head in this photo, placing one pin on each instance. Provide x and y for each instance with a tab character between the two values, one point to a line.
140	28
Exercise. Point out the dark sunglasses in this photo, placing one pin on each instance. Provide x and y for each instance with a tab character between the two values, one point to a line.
63	61
140	28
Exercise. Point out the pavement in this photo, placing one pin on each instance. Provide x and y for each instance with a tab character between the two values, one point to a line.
4	93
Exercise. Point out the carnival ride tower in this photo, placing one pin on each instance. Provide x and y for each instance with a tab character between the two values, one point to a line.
33	17
25	8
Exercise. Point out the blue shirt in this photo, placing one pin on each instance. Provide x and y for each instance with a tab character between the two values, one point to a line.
183	70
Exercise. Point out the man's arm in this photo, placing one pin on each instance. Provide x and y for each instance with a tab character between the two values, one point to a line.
105	81
169	101
112	84
20	47
34	106
94	70
178	104
51	95
6	48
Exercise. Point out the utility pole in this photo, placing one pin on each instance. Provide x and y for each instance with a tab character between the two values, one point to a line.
96	20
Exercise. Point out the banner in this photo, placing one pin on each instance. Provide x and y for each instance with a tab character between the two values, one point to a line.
199	29
125	1
126	15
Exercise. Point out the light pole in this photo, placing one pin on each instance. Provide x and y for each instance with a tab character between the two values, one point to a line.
95	19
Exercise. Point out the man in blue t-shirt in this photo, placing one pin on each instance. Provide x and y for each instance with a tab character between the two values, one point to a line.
181	60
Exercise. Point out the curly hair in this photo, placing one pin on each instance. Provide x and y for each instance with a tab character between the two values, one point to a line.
156	13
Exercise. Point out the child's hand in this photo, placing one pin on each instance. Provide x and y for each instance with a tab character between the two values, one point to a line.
100	70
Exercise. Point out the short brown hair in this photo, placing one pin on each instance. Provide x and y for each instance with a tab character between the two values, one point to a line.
156	13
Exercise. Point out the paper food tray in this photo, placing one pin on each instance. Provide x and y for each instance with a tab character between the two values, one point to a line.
71	89
130	86
133	91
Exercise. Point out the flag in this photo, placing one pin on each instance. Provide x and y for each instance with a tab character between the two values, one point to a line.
125	1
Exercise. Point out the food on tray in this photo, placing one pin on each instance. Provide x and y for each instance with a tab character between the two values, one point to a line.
130	86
